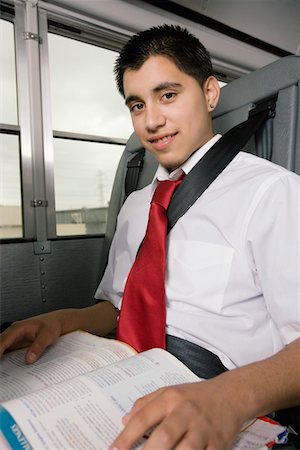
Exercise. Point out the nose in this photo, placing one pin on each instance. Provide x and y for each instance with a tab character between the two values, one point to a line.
154	118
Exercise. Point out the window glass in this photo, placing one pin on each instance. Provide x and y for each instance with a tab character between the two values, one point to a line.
83	90
8	92
84	100
83	176
10	189
10	184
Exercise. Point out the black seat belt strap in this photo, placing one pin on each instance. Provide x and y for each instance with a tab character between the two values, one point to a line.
215	161
134	167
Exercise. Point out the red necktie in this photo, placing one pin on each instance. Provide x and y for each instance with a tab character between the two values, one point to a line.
142	321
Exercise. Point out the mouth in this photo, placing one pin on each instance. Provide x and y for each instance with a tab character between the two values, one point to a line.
162	139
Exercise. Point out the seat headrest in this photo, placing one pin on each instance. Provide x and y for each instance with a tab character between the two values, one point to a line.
133	144
260	84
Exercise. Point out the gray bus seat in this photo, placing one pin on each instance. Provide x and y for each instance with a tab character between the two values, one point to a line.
118	195
278	141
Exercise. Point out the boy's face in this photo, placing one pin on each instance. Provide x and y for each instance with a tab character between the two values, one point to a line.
169	110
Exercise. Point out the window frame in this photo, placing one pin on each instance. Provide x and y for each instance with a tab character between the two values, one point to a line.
34	126
15	13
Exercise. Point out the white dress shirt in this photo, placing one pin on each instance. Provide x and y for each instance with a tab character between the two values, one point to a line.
232	275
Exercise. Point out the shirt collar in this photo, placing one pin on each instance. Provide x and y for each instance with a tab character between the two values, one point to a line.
162	173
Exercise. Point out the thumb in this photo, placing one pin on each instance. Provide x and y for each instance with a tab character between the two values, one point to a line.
31	356
39	345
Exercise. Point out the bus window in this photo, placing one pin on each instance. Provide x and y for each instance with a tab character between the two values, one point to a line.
91	126
8	105
10	185
83	185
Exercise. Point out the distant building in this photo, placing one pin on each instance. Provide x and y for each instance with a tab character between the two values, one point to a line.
92	220
10	221
68	223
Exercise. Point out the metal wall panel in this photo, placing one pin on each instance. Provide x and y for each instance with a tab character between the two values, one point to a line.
20	284
64	274
72	273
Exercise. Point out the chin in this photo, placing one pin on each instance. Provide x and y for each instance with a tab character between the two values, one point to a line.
169	166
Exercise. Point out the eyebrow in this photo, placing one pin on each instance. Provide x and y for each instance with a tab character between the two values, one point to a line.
131	98
166	85
160	87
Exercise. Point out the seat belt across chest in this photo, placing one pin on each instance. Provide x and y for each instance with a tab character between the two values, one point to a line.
215	161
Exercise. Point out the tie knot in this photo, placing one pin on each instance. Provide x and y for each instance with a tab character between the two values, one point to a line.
164	191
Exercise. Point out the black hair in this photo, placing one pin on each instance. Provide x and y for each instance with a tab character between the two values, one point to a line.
172	41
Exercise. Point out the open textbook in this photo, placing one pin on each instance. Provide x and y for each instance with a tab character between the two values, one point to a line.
75	395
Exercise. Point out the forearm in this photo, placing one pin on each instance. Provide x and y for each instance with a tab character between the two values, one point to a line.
99	319
268	385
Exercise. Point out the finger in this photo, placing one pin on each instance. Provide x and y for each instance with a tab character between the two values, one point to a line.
140	420
194	440
197	437
183	428
179	426
16	336
202	434
139	404
44	338
168	433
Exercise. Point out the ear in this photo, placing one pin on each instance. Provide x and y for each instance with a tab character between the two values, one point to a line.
211	91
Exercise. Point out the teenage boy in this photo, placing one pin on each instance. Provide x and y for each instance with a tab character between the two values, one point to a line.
232	260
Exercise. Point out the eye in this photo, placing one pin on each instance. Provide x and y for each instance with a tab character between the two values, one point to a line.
169	96
136	107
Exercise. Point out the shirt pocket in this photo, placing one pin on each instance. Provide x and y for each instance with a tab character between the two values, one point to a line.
197	274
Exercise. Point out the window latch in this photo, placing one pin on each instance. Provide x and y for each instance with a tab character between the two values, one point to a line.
29	35
37	203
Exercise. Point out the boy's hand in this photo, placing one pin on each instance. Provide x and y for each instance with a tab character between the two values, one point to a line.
37	333
189	416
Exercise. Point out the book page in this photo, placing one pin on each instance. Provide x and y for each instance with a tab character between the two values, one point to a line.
87	411
73	354
127	380
262	434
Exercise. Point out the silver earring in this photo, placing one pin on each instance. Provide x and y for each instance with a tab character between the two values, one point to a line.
211	106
